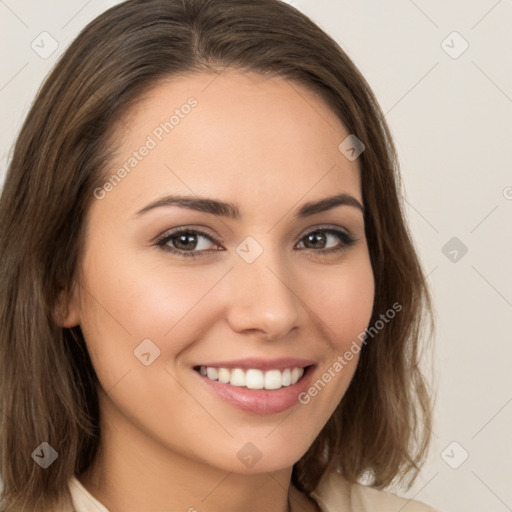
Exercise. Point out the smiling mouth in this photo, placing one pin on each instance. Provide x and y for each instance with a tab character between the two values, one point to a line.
254	378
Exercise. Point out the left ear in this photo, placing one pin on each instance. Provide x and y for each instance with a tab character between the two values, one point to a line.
67	312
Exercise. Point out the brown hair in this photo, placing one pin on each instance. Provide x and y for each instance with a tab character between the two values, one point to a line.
381	427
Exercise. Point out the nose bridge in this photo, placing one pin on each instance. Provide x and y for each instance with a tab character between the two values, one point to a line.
262	295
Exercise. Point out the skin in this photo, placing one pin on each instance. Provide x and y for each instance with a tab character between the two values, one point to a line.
168	442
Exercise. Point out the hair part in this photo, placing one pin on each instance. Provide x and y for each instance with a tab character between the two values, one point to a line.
48	386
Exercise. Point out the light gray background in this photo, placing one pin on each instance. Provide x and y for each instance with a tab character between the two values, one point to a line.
451	120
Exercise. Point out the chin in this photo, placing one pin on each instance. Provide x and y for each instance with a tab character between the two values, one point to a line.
269	453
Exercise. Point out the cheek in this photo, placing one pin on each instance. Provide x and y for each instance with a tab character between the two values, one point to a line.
344	301
126	301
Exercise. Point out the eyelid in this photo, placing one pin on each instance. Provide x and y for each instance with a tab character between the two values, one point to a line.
344	234
205	231
188	227
319	227
161	240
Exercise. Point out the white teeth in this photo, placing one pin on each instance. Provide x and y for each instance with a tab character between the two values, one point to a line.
254	378
273	379
237	377
224	375
211	373
297	374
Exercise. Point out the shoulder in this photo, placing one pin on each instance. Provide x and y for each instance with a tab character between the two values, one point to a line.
335	494
83	500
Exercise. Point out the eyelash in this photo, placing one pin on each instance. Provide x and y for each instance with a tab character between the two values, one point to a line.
346	238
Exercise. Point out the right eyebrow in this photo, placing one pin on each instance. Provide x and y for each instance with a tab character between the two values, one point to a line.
202	204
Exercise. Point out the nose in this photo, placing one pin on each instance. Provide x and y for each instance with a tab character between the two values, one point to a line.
263	298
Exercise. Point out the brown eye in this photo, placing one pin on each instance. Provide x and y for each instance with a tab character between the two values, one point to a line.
186	242
323	240
315	240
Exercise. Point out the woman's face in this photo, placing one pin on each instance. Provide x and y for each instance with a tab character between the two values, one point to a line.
168	289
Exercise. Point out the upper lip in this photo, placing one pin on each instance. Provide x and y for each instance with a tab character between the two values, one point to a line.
261	364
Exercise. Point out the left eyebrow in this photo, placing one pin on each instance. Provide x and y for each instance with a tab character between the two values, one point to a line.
231	210
326	204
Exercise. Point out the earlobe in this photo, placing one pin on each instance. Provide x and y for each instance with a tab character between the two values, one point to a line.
66	313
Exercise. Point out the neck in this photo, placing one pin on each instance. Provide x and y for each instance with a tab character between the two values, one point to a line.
133	472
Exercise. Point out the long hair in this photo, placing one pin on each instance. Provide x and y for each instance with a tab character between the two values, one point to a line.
48	386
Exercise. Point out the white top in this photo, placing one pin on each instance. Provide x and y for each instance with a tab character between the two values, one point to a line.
334	494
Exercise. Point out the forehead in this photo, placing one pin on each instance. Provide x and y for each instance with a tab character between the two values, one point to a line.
234	136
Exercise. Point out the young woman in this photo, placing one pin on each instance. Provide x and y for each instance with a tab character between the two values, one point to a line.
209	297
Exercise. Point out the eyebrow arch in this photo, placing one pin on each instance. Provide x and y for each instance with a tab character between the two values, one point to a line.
232	211
327	203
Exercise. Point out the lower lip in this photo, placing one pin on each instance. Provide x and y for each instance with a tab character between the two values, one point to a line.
260	401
